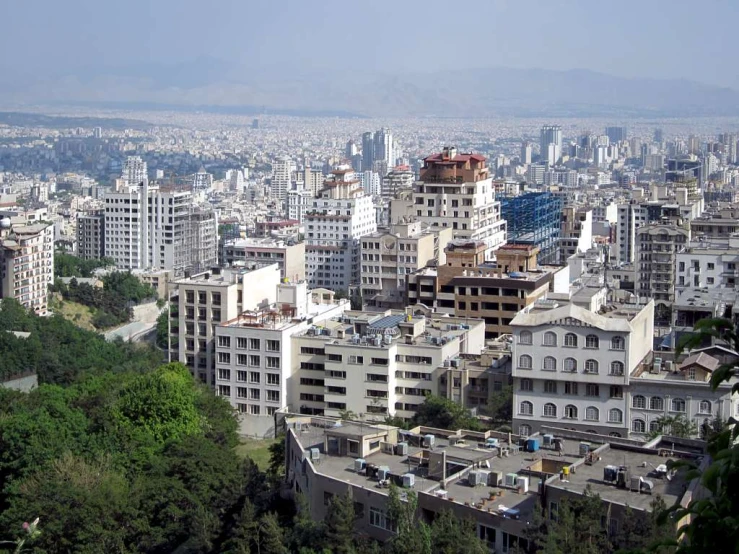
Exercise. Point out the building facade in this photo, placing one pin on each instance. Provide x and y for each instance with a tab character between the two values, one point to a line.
289	256
91	235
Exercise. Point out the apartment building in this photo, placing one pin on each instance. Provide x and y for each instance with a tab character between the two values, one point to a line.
91	235
206	299
339	217
573	358
254	354
288	255
377	364
481	477
27	263
400	178
657	248
467	286
576	232
147	227
390	255
456	190
708	262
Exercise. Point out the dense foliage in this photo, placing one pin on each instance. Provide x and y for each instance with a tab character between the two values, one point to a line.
436	411
66	265
112	304
59	351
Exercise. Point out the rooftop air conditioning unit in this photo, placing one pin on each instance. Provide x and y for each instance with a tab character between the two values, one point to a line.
409	480
474	479
510	479
359	465
315	454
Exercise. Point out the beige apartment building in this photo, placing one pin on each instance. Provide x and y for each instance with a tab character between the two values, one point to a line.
288	255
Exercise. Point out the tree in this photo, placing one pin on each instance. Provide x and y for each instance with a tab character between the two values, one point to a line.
412	536
339	523
675	426
271	537
451	535
436	411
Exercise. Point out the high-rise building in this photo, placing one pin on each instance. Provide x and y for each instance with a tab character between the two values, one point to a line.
371	183
616	134
151	228
27	263
368	150
298	202
350	150
456	190
551	135
534	219
659	136
254	251
202	180
398	179
313	180
385	147
339	216
282	176
526	149
134	171
91	235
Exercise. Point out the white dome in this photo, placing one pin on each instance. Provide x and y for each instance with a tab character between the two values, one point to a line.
5	223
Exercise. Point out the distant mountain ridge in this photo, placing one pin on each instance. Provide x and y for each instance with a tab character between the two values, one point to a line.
456	93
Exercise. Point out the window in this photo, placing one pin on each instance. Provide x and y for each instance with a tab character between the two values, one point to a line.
273	346
524	362
253	410
656	403
591	341
272	362
273	379
592	413
704	407
224	374
678	405
241	376
570	364
356	359
550	410
224	342
254	377
571	339
617	391
617	343
255	361
570	411
639	402
378	361
592	390
655	426
273	396
550	387
550	338
241	343
254	394
617	368
639	426
224	390
525	337
550	363
254	344
691	374
526	408
571	388
527	385
615	415
378	518
224	358
591	366
524	430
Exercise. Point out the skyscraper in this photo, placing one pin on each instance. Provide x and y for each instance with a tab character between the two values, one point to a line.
525	152
282	171
384	147
134	171
551	135
616	134
368	150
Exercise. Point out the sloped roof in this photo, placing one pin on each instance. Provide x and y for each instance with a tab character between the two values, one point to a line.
707	362
556	315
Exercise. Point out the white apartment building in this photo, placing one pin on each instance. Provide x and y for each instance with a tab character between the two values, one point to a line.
289	256
151	228
298	203
135	171
709	262
572	361
282	176
27	263
254	354
457	191
371	183
390	255
339	217
397	179
576	232
630	218
206	299
377	364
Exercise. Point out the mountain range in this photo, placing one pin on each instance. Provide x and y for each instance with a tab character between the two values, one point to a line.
211	85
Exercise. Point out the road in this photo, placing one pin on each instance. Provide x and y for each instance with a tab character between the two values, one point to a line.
144	321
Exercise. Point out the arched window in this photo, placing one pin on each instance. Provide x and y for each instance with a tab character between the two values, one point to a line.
656	403
639	402
615	435
571	411
678	405
591	341
550	338
524	361
570	364
617	343
592	413
550	410
570	339
527	385
615	416
591	366
638	426
617	368
550	363
525	337
654	426
704	407
526	408
524	430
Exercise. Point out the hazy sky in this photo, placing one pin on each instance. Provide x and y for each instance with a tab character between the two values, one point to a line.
644	38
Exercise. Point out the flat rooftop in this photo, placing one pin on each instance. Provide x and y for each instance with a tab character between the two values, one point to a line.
639	464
